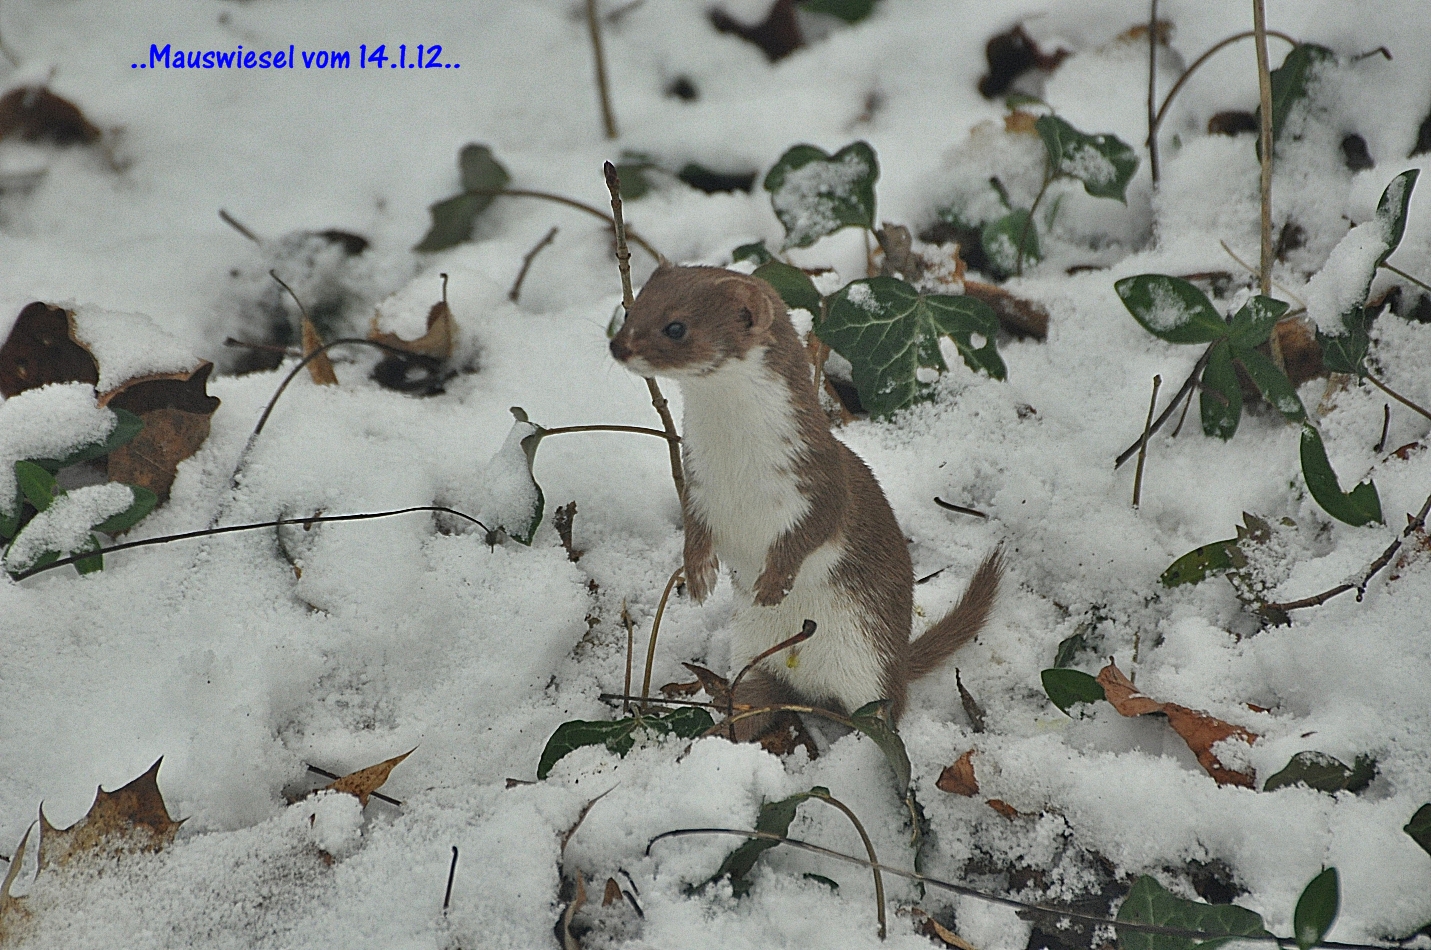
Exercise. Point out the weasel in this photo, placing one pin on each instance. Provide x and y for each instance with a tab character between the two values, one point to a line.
796	516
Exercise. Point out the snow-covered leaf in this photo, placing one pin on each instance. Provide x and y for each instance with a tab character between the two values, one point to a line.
1171	308
1324	773
512	500
1361	505
1290	84
619	735
1104	163
64	527
774	819
128	819
1199	564
1254	320
1002	237
815	194
1148	902
871	719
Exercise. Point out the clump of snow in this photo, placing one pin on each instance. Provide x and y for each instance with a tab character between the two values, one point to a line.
1343	280
128	345
45	423
65	526
808	198
509	495
862	297
1168	311
1088	164
336	823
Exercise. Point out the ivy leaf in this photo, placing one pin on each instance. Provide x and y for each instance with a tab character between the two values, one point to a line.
889	331
36	484
1104	163
851	11
1346	352
1200	563
144	502
619	735
792	284
1362	505
1253	322
453	218
126	426
1000	239
774	818
1221	401
1289	85
1419	827
1148	902
1316	909
1324	773
1391	210
1272	383
870	719
756	251
1171	308
815	194
1065	688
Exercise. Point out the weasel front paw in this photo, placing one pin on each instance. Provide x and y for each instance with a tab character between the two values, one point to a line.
700	580
771	588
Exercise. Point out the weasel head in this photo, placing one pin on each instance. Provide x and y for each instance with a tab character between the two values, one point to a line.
688	321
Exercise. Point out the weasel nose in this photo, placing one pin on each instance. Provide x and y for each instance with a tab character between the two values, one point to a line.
619	349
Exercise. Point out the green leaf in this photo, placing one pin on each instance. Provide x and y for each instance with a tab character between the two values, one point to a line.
1104	163
619	735
514	501
1274	385
1253	322
889	331
89	565
871	720
792	284
815	194
1068	650
1200	563
1316	909
1391	210
1067	687
1419	827
36	484
453	218
1171	309
1362	505
1346	352
1289	85
1017	100
10	524
634	181
144	502
1149	903
1000	239
851	11
1221	401
1324	773
774	819
126	426
757	252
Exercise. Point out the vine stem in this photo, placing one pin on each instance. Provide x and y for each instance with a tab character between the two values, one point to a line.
593	25
1188	385
1264	90
1153	89
1396	395
1143	443
1396	270
869	849
641	430
1187	73
655	629
570	203
1048	177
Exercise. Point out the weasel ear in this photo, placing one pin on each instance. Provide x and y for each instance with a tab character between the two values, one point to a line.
757	304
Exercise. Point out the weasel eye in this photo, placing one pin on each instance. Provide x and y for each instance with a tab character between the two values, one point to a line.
676	330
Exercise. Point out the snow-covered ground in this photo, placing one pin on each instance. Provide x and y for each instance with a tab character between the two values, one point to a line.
240	670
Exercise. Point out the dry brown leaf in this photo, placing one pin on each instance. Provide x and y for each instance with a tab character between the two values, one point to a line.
613	893
41	349
958	779
132	818
11	910
933	928
364	782
320	367
34	114
568	939
176	409
1019	122
1199	730
436	343
788	734
1023	318
972	709
676	690
717	687
1003	808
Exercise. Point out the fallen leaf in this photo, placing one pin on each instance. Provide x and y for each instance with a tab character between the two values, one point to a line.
1020	317
568	939
1003	808
613	892
34	114
970	704
132	818
933	928
364	782
1199	730
41	349
176	409
436	343
958	779
1011	54
717	687
320	367
787	735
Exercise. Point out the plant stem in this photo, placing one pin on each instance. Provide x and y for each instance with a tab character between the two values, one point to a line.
1396	395
1264	89
1153	89
869	849
1187	73
593	25
1048	177
1188	385
1143	444
655	629
1398	271
527	263
807	630
640	430
570	203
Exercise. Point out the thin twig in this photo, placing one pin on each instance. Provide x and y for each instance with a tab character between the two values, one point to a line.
593	25
630	650
1153	89
1056	912
1264	89
1396	395
1415	280
1412	526
229	529
655	629
451	874
869	849
516	290
1182	417
1188	385
1385	428
1143	443
378	795
1049	174
1187	73
623	253
234	223
807	630
950	506
640	430
570	203
1302	304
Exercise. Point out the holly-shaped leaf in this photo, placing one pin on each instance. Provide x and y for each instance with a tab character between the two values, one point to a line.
619	735
1362	505
1104	163
1065	688
1171	308
889	331
362	783
1316	909
792	284
1148	902
815	194
128	819
453	218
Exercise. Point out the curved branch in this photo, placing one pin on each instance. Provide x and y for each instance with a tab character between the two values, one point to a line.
1187	73
570	203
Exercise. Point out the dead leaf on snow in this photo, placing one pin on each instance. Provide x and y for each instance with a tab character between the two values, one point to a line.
41	349
1020	317
958	779
364	782
1199	730
568	939
132	818
933	928
717	687
436	343
320	367
613	893
176	409
1003	808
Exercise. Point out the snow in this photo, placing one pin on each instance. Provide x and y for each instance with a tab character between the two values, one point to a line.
245	658
1342	282
65	526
